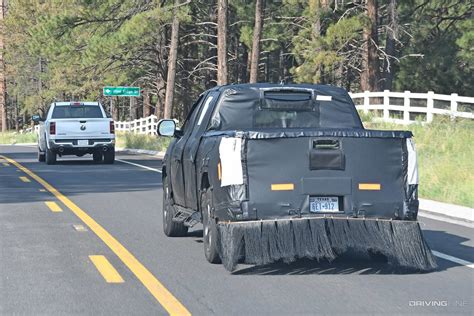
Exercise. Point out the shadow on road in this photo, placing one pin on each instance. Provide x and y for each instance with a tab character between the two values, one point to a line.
353	264
342	265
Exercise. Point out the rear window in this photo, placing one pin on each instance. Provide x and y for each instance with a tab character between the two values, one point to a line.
287	110
77	111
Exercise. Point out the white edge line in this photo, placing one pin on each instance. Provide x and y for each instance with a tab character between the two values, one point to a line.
453	259
137	165
445	219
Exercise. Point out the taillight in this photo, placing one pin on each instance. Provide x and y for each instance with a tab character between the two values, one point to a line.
52	128
112	127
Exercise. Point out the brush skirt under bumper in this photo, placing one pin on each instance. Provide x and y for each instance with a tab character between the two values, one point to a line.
266	241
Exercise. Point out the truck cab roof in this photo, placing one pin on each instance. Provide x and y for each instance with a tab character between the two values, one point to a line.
69	103
282	106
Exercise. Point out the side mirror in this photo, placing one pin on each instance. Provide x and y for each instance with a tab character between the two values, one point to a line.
166	128
36	118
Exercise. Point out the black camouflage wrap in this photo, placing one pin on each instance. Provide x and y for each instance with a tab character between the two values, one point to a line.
329	153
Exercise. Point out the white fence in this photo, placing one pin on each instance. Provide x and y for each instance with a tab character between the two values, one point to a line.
146	125
406	107
397	107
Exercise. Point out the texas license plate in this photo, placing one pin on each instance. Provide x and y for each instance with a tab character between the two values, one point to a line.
323	204
82	142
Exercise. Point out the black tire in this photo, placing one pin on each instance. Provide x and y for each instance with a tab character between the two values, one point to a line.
109	156
97	156
210	234
170	227
41	156
50	157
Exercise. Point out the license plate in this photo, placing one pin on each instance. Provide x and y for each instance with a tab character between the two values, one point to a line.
82	142
323	204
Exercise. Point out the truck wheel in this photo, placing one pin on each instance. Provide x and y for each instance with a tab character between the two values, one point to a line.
97	156
170	228
41	156
50	157
210	233
109	156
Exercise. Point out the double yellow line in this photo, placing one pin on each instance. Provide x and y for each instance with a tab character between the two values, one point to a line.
155	287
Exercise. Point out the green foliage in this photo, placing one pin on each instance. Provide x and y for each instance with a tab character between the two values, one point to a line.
466	43
438	49
326	53
69	50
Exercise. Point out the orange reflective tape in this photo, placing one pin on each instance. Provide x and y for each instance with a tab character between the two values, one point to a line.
370	186
283	187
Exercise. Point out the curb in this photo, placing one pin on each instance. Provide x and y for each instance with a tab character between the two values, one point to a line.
158	154
451	213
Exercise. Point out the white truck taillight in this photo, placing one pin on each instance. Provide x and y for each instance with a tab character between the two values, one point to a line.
52	128
112	127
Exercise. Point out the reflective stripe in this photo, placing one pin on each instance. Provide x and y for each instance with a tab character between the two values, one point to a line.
283	187
370	186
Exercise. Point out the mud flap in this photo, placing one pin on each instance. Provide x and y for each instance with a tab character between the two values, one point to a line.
267	241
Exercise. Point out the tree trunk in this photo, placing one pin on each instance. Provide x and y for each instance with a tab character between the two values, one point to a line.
114	108
17	114
257	35
146	103
172	57
222	42
392	33
3	104
318	6
133	108
370	61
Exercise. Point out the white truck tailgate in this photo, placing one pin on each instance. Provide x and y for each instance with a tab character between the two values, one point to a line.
90	127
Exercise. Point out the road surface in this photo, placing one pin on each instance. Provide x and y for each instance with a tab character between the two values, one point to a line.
99	248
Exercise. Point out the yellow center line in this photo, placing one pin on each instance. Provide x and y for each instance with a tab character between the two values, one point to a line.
106	269
25	179
53	206
155	287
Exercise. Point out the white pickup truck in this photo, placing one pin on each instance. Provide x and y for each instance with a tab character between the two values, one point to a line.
76	128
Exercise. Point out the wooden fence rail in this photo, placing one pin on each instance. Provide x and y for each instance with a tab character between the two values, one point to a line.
407	107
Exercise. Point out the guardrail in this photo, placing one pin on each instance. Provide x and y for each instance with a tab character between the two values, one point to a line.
407	107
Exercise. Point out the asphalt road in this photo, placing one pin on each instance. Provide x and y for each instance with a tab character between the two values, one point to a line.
46	267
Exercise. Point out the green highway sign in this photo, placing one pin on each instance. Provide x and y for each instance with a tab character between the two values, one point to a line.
122	91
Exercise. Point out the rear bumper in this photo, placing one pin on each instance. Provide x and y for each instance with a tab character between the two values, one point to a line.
246	211
71	146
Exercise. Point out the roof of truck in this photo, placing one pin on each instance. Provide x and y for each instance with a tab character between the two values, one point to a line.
320	87
239	106
68	103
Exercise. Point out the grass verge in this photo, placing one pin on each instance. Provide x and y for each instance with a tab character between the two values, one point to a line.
10	138
139	141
